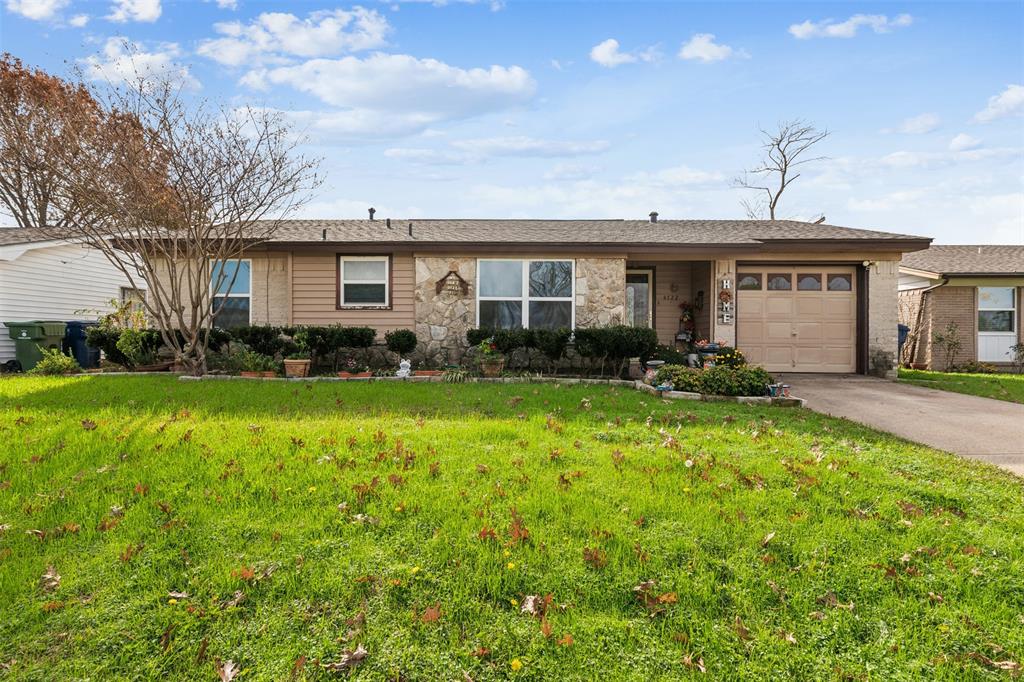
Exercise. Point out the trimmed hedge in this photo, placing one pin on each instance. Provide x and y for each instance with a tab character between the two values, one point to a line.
401	341
717	380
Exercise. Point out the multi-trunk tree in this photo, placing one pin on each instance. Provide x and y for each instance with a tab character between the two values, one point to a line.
164	186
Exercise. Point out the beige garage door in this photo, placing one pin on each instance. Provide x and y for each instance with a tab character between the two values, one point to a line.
797	318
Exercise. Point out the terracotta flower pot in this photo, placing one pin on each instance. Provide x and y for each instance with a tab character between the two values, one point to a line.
155	367
269	374
296	369
427	373
492	368
354	375
251	375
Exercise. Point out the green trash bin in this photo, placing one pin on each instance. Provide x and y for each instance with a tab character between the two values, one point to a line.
30	338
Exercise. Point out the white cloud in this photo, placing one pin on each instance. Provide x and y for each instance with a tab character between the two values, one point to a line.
495	5
79	20
429	157
607	54
38	10
134	10
528	146
917	125
702	47
1007	103
275	36
829	28
572	171
907	159
121	60
887	202
225	4
393	94
676	176
963	142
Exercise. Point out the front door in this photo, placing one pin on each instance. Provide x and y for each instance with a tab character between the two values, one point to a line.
997	323
639	299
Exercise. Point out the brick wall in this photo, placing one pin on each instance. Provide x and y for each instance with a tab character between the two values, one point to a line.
953	304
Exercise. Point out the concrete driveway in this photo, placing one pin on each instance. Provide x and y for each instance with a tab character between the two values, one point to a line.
977	428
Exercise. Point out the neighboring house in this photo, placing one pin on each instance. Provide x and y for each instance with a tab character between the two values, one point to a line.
979	288
794	296
44	279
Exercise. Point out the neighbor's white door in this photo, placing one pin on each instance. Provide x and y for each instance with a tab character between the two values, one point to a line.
997	323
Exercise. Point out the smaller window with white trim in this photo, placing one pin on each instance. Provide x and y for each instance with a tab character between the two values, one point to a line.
364	281
997	308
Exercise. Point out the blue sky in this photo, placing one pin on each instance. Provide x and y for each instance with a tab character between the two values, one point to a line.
573	109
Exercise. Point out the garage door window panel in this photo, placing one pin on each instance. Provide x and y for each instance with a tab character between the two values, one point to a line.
808	282
749	282
839	282
779	282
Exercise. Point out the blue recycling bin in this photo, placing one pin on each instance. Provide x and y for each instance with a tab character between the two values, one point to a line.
903	330
75	343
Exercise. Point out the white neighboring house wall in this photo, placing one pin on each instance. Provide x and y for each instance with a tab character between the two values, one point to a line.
53	281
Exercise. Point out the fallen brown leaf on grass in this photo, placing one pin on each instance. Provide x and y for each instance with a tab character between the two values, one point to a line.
178	595
787	637
565	640
299	664
88	424
432	614
50	580
767	539
349	659
596	557
1012	666
227	670
698	663
741	630
830	599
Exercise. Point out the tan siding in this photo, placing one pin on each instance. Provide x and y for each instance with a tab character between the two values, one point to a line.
315	294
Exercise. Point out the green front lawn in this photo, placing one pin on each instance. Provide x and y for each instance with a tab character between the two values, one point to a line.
279	525
1000	386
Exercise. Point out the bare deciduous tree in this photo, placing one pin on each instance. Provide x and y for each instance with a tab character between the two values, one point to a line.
165	188
784	153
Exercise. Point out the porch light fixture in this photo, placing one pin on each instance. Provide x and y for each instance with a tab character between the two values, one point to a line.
452	284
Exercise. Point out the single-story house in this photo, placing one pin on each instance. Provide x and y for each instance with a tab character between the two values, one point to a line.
979	288
794	296
46	279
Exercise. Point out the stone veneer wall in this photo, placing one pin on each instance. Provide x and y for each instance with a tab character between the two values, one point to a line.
443	319
883	318
600	291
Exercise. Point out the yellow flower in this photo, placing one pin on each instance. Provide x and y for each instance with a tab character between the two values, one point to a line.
312	488
511	565
513	601
172	601
414	570
508	553
516	664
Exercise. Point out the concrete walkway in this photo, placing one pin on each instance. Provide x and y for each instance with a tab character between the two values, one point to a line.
966	425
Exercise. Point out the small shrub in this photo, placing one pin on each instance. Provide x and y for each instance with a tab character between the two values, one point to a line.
1017	359
724	380
950	342
475	336
681	377
976	368
265	339
552	343
54	362
138	346
717	380
401	341
668	355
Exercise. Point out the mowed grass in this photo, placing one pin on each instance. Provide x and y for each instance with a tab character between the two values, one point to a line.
783	544
1009	387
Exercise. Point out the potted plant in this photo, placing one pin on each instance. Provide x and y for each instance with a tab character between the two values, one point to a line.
296	365
255	365
492	361
353	369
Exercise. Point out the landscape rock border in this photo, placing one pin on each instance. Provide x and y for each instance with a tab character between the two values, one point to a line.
567	381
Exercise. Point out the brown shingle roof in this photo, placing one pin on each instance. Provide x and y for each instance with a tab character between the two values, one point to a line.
968	260
20	235
626	232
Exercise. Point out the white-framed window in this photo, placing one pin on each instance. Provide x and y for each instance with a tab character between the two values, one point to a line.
231	285
514	293
997	310
364	281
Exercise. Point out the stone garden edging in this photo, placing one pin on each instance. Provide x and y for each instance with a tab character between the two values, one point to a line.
567	381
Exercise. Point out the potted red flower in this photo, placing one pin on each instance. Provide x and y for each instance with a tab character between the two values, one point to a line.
492	361
354	369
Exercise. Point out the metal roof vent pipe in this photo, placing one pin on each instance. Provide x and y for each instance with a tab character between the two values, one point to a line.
372	211
388	223
654	216
323	235
410	229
